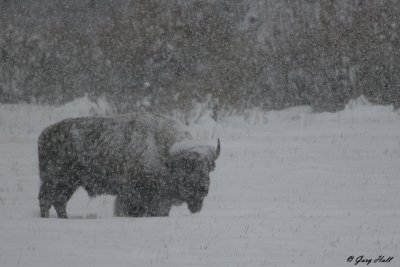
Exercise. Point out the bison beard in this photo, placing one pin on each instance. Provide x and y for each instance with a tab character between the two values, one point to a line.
146	160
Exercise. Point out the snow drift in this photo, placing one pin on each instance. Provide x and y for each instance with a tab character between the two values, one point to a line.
292	188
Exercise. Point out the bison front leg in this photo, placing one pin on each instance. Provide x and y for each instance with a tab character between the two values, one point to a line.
163	212
128	207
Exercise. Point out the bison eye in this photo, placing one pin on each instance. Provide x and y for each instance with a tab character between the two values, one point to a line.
211	166
203	190
189	166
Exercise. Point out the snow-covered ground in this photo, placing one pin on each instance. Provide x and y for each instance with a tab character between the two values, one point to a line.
291	188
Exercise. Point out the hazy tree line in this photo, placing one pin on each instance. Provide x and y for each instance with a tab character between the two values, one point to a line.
168	54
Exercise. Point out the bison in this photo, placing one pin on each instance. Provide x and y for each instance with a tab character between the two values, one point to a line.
148	161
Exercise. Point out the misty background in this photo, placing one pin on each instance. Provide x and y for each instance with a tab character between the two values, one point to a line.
232	54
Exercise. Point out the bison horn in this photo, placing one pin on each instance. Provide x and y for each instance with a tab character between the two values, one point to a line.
218	150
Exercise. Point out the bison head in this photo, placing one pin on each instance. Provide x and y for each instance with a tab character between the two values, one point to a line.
190	165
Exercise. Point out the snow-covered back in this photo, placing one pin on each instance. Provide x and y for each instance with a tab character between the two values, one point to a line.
24	121
204	150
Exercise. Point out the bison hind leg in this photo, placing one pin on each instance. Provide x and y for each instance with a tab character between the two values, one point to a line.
64	193
46	195
57	196
44	208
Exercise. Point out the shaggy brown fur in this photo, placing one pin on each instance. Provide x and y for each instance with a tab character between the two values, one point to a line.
128	156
